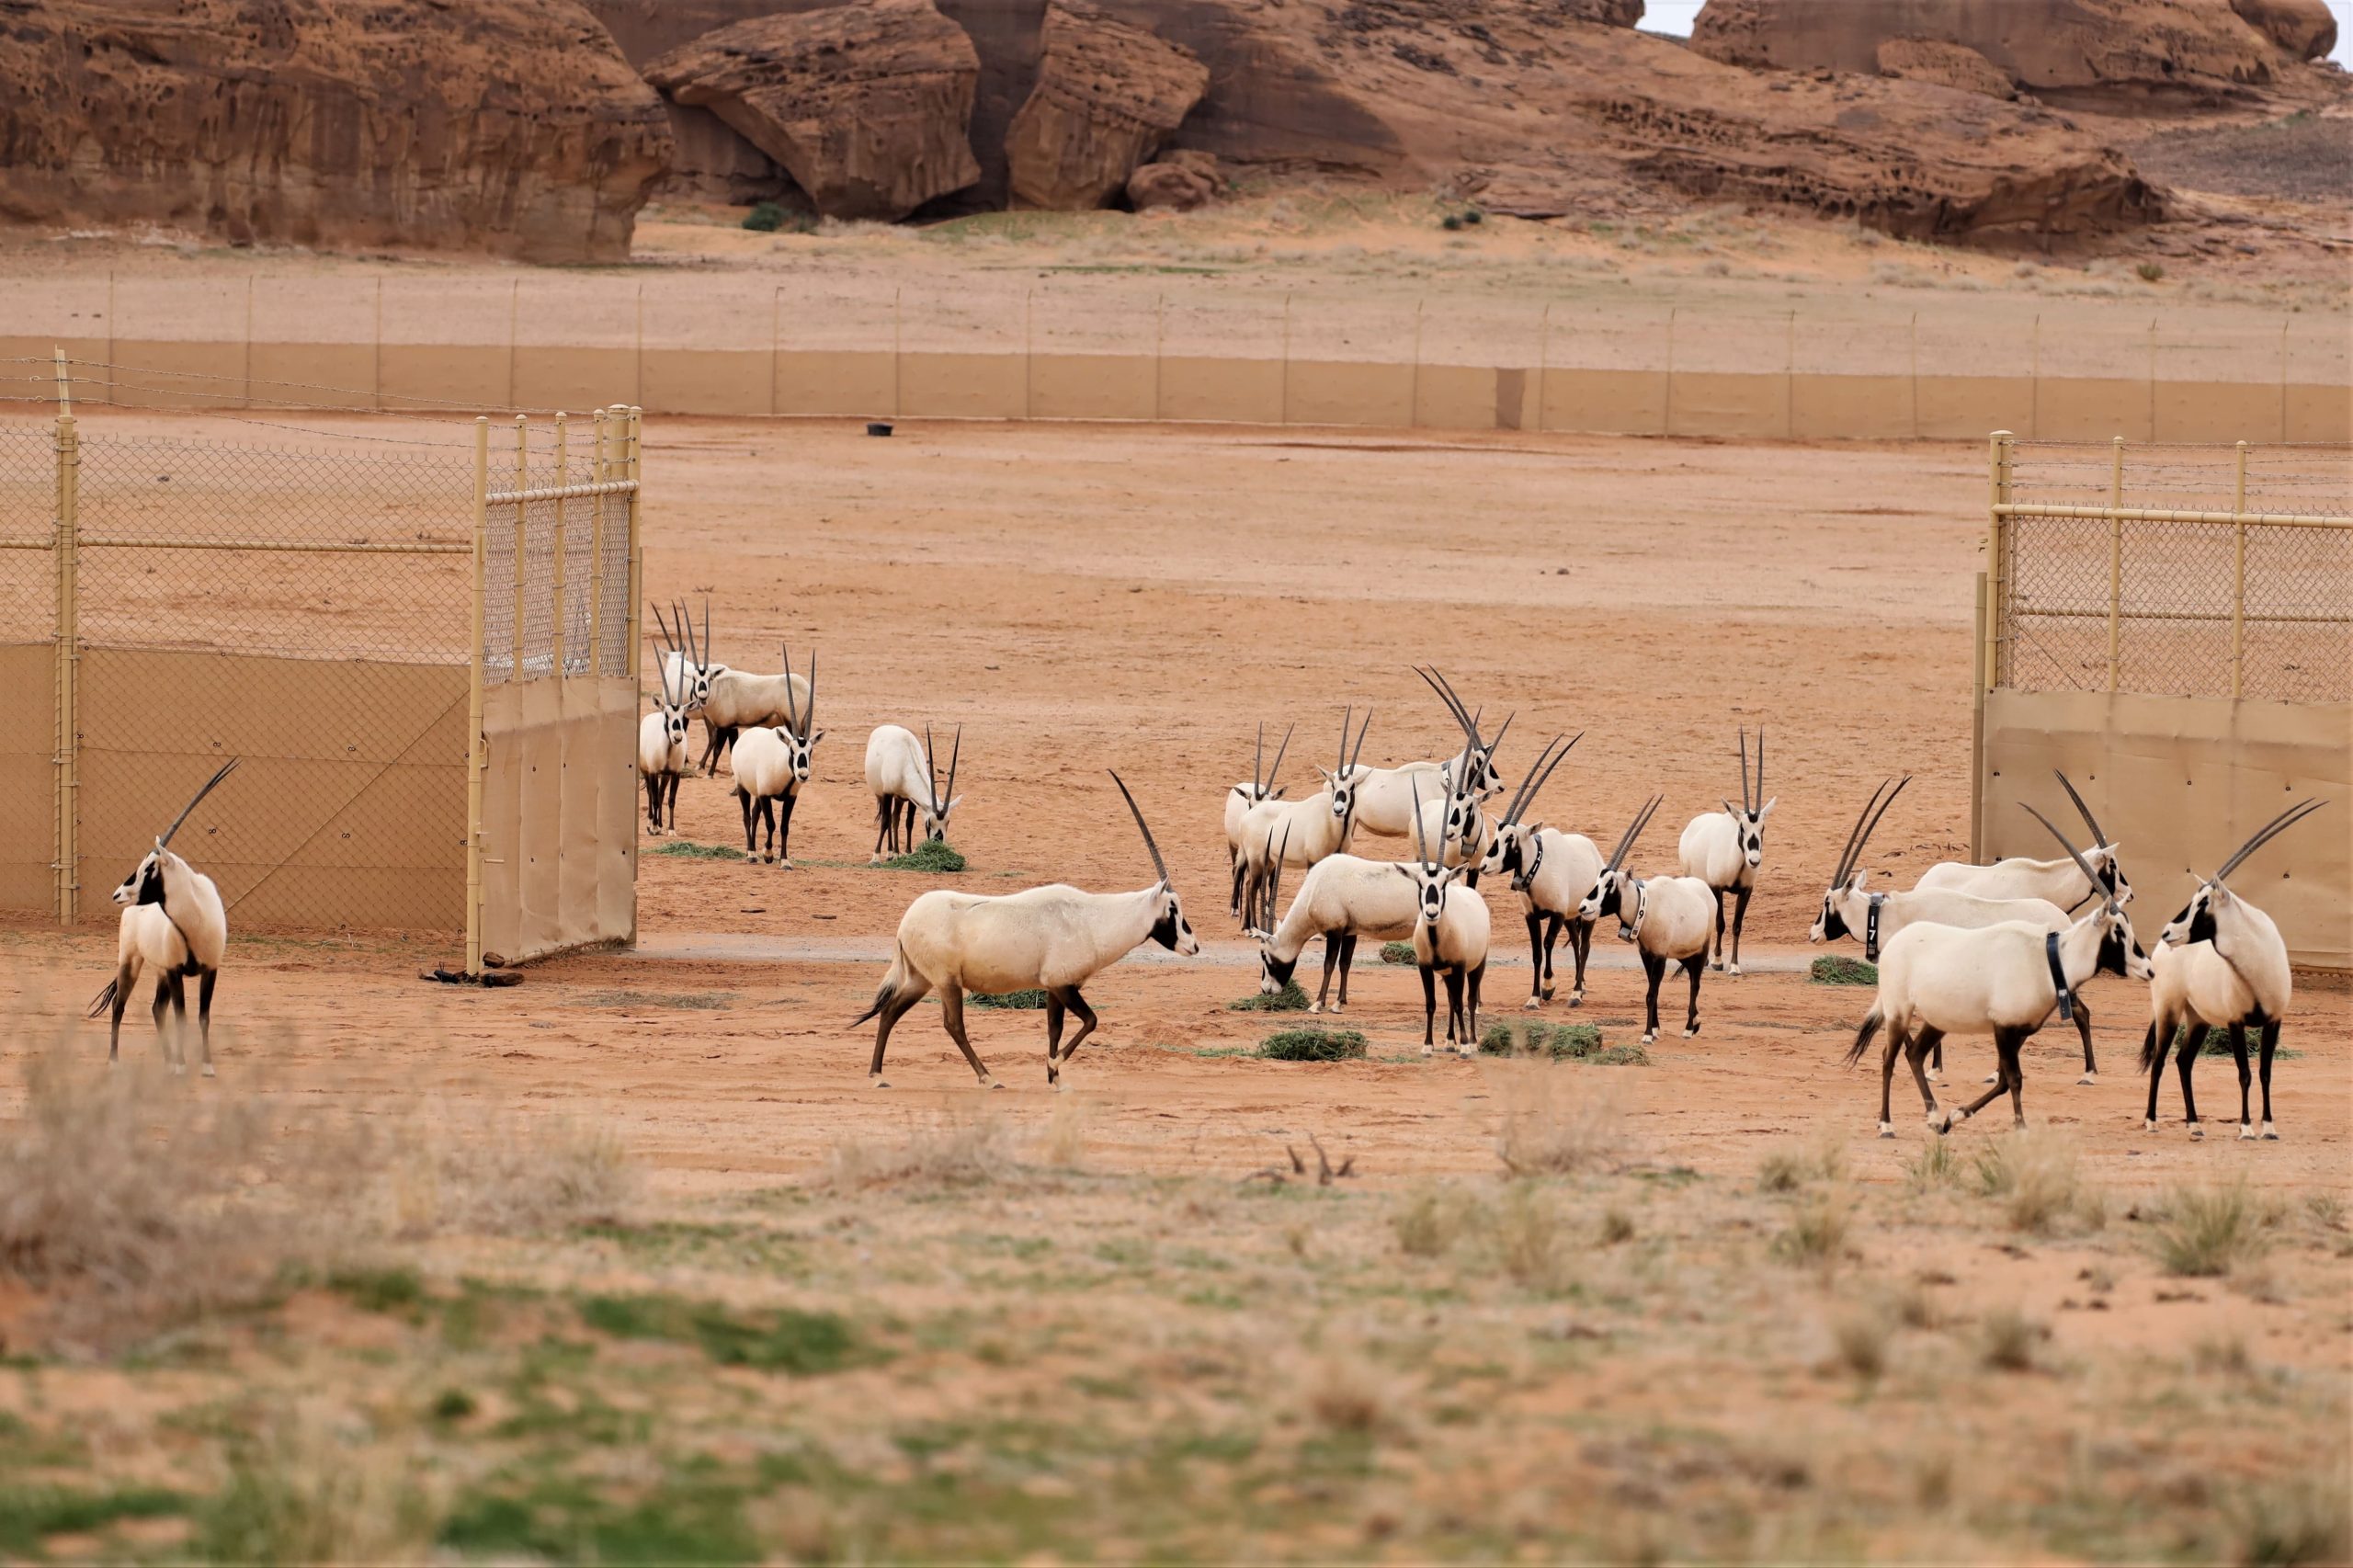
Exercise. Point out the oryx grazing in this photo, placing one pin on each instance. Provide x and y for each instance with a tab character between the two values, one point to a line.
1850	909
1342	897
1551	871
1664	917
2221	964
1450	935
173	921
771	766
2005	980
662	750
1299	831
2064	882
1242	797
904	777
1724	849
1055	939
1384	795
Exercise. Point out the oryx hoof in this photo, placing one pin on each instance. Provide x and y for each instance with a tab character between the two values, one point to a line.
1717	967
2270	1133
179	1069
1428	1049
782	864
1650	1037
1948	1118
2197	1131
1531	1003
1734	970
1548	994
750	859
2150	1125
2247	1132
1337	1008
2088	1077
875	1081
1577	998
1691	1031
1991	1078
876	860
1887	1129
207	1070
989	1082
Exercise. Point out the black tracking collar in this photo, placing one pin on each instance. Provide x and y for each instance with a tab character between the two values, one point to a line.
2058	977
1870	929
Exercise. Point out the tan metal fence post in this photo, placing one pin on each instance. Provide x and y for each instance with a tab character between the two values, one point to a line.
1977	731
2238	575
1543	361
476	743
2115	562
1285	418
1028	352
555	612
1413	381
1666	403
597	475
635	420
1159	348
66	549
522	573
2034	384
1997	586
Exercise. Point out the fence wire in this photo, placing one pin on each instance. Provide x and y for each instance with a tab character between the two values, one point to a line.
2173	607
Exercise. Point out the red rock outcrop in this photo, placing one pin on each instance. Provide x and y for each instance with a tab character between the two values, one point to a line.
1943	65
1108	94
510	126
2305	29
2091	53
868	105
1183	181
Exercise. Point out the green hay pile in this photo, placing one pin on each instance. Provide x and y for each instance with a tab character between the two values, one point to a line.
680	848
1290	999
1313	1045
1559	1042
931	855
1833	969
1396	952
1031	998
2218	1044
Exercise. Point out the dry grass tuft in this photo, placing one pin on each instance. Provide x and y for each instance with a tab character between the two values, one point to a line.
961	1148
1555	1123
1426	1222
313	1493
2209	1231
2008	1339
1063	1143
1788	1166
1529	1235
1862	1339
1816	1236
2035	1173
1349	1396
487	1172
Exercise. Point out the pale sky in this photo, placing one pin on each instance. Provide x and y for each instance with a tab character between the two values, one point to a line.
1674	16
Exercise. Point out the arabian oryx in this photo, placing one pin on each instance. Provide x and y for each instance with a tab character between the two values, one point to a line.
662	750
1664	917
1551	871
1055	939
2221	964
904	776
1850	909
1724	849
2063	882
1342	897
1300	833
1450	935
171	920
1242	797
735	700
1384	795
771	766
2005	981
678	666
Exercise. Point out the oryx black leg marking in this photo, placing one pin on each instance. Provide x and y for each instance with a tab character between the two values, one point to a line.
750	842
951	1014
784	821
1692	966
2271	1044
1582	936
767	826
1478	979
2005	1044
671	795
1654	970
2014	1069
1054	1012
178	1049
654	801
1331	962
1453	1003
2160	1039
1895	1047
2246	1077
2083	1028
1536	991
163	1000
1739	918
2182	1064
1914	1050
1086	1020
892	1011
881	818
1429	1005
1348	962
1720	926
209	978
1552	924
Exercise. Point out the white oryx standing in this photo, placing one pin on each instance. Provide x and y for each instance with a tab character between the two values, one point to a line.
733	700
2066	883
1848	909
904	776
2004	980
1553	871
771	766
1054	939
679	667
662	751
1384	796
1300	832
173	921
1451	930
1664	917
1724	849
2221	964
1242	797
1342	897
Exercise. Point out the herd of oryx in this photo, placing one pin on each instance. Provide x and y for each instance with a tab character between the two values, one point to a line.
1994	950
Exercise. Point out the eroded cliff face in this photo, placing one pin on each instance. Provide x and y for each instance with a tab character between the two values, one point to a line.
1109	93
508	125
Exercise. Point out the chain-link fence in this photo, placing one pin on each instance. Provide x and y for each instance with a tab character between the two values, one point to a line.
332	614
2174	570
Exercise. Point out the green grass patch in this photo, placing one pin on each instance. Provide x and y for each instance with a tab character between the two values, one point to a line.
1313	1045
1833	969
397	1291
681	849
1032	999
931	855
566	1520
779	1339
1558	1042
1397	952
1290	999
694	1001
2218	1044
29	1515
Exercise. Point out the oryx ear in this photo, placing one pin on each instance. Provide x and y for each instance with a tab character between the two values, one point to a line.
1401	871
815	738
1242	790
2109	850
1730	810
953	803
1767	809
1858	879
1531	829
1451	873
1280	793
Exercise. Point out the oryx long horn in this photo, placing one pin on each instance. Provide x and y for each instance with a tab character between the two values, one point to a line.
2072	853
1535	779
1760	768
1358	756
1266	790
1633	831
669	640
1490	746
955	755
2268	832
1438	683
1159	866
1347	714
1421	840
1847	855
792	709
1275	882
1747	804
2089	821
687	623
706	629
1863	837
809	710
194	801
1258	763
931	764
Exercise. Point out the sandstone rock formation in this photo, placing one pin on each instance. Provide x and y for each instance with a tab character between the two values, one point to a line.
2089	53
867	105
511	126
1183	181
2305	29
1108	94
1944	65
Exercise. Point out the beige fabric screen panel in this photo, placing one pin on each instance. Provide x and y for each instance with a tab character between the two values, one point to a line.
28	775
2180	783
559	800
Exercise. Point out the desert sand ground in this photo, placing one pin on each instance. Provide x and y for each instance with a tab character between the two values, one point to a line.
628	1261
